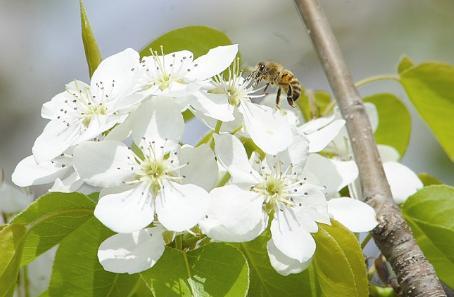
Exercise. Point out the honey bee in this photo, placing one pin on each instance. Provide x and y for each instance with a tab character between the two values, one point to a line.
275	74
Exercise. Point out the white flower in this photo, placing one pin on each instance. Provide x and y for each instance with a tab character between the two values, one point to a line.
83	112
164	180
402	180
227	99
329	134
12	199
59	171
132	253
277	186
178	75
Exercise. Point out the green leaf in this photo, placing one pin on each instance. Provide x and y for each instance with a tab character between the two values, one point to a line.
214	270
197	39
92	52
394	124
11	245
77	272
44	294
266	282
339	262
429	213
51	218
404	64
428	179
314	104
430	88
187	115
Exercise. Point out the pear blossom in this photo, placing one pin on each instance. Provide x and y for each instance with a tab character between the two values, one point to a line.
83	112
227	99
160	179
279	187
132	252
178	75
329	134
58	171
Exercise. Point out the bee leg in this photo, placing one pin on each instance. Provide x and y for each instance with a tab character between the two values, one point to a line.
290	100
266	87
278	97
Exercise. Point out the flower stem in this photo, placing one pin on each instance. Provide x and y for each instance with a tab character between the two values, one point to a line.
224	179
179	242
218	126
376	78
205	139
366	240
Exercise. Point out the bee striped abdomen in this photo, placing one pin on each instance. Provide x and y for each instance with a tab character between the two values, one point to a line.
296	89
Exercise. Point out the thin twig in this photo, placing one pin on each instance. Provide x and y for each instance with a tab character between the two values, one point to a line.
415	274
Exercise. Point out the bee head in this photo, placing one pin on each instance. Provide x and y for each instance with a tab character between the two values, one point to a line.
261	67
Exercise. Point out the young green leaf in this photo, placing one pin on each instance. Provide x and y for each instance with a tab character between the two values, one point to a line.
314	104
92	52
404	64
11	246
77	272
51	218
339	262
430	88
428	180
266	282
197	39
214	270
394	121
429	213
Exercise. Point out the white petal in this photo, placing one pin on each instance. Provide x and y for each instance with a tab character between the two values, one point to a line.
234	215
332	174
67	185
388	153
232	155
268	129
402	180
126	209
214	62
202	168
122	130
28	172
115	77
213	105
293	241
314	205
282	264
104	164
132	253
296	154
319	138
353	214
158	118
226	126
55	139
100	124
181	207
53	109
12	199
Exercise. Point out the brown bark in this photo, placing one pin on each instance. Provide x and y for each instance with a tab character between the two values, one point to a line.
415	274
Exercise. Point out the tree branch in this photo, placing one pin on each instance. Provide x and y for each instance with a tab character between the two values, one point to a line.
415	274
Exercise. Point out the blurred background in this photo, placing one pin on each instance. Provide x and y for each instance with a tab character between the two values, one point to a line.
41	50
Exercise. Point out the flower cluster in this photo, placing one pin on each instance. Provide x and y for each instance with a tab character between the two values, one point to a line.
122	136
